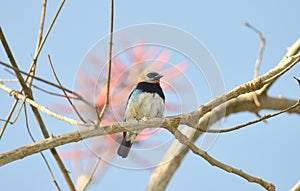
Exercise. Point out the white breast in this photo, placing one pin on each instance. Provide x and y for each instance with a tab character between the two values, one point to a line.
147	105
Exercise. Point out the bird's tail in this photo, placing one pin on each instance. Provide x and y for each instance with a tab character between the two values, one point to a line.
124	148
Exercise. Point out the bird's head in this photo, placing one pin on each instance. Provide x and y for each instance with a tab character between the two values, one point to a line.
151	77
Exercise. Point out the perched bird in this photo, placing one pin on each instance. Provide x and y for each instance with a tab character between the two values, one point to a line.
146	100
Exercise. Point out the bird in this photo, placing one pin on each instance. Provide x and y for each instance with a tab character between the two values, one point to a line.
147	100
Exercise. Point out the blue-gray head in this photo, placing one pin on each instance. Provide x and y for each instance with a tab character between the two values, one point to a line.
152	77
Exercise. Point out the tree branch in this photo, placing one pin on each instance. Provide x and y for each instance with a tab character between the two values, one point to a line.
259	57
287	63
163	173
109	61
184	140
264	117
38	44
28	92
79	97
292	51
55	141
43	109
296	187
65	94
42	155
199	118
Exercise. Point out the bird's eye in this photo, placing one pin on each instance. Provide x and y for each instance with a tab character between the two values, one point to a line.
152	74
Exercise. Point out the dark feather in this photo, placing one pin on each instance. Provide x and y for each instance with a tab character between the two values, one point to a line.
124	147
151	88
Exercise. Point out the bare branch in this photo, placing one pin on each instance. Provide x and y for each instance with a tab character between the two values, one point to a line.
296	187
88	181
28	92
264	117
53	93
261	48
167	123
79	97
41	29
18	114
38	43
18	95
292	51
8	80
32	68
132	125
14	120
43	156
37	52
18	75
255	84
13	62
163	173
184	140
259	57
7	120
70	102
110	60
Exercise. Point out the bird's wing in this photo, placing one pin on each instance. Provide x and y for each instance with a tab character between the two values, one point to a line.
132	97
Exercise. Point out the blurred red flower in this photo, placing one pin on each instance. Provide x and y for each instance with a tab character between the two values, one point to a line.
92	83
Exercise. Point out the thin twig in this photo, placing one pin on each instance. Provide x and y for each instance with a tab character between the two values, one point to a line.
14	120
89	180
85	133
264	117
293	60
33	65
18	113
100	116
79	97
292	51
31	70
33	103
18	75
41	29
109	60
8	80
77	136
43	156
256	84
242	89
37	52
7	120
52	93
38	44
89	132
13	63
163	173
28	93
259	57
184	140
261	48
58	81
4	120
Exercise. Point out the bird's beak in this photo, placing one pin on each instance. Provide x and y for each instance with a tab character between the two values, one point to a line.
158	77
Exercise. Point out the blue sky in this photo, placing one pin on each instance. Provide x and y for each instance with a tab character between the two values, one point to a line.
267	150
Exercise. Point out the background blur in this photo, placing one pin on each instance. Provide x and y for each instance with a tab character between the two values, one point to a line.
268	150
